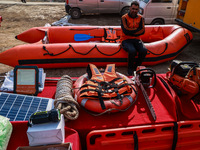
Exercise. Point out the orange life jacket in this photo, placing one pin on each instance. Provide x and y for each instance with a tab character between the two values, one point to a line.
110	36
130	25
106	86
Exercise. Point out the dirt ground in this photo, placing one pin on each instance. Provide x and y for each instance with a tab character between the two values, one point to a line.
20	17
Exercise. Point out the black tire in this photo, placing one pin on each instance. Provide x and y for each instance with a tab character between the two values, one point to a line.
157	22
124	11
75	13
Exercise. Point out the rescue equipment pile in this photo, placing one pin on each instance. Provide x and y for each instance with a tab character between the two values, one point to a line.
169	119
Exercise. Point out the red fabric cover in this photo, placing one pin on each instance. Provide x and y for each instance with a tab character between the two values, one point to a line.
19	137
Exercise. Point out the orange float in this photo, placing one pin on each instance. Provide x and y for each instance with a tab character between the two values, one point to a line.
76	46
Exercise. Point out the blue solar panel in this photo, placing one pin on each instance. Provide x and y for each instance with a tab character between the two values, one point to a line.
19	107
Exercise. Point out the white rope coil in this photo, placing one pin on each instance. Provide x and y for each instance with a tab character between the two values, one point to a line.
64	100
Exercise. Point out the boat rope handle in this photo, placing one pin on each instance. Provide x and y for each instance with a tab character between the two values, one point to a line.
187	37
70	46
166	46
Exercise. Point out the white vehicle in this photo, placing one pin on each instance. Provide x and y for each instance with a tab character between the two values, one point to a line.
77	7
154	11
159	11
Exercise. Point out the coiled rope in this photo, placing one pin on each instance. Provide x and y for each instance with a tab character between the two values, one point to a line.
64	100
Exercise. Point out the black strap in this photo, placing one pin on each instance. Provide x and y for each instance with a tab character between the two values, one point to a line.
86	85
115	79
87	90
175	139
135	137
119	97
105	90
105	87
101	100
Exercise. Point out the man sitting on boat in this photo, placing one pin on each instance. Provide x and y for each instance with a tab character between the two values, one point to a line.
132	25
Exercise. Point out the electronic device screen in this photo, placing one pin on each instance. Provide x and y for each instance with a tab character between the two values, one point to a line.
26	77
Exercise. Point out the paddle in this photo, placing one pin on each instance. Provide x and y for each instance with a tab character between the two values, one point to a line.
84	37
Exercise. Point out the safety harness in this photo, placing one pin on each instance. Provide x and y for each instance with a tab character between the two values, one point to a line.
104	87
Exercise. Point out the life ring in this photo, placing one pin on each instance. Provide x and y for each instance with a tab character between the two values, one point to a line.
112	105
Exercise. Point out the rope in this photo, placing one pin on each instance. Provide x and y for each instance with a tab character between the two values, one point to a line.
70	46
64	100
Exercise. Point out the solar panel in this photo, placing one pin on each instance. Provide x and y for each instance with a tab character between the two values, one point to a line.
19	107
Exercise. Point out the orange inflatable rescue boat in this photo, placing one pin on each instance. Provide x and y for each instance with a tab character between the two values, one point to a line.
76	46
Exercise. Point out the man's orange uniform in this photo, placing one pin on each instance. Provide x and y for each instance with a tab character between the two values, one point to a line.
132	28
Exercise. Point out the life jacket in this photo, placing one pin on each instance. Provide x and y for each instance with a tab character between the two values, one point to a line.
131	25
104	86
110	36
